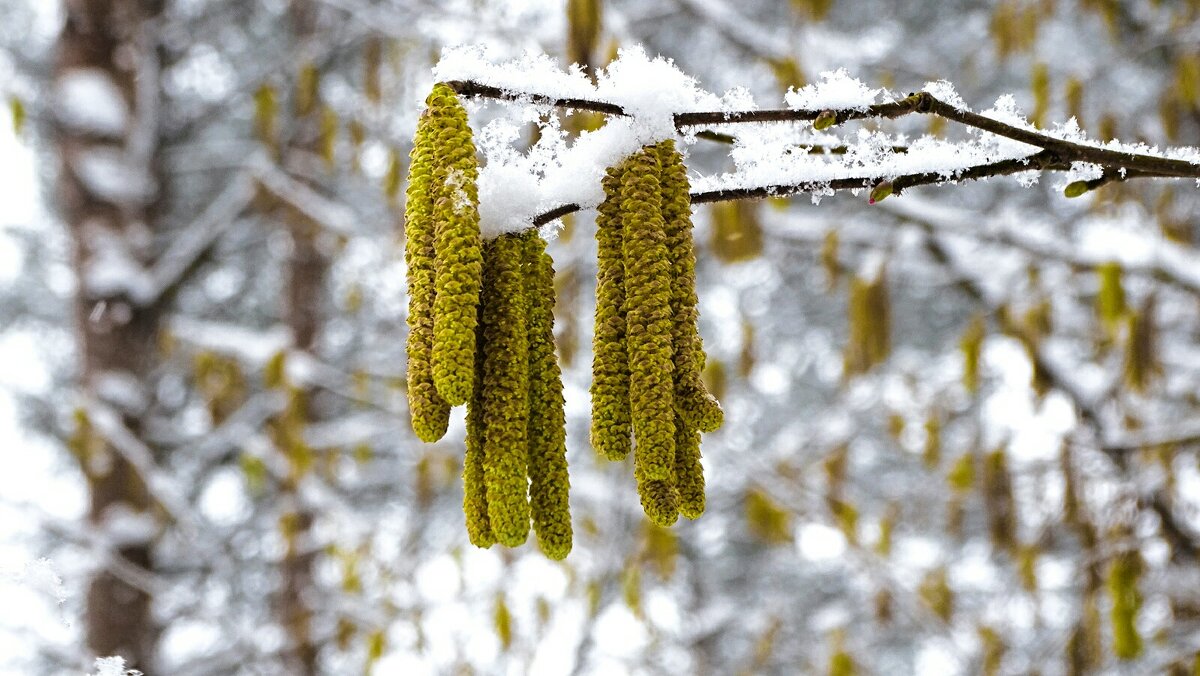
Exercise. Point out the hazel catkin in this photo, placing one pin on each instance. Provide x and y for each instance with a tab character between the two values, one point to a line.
505	395
689	474
549	484
458	247
475	504
693	402
611	428
430	412
648	326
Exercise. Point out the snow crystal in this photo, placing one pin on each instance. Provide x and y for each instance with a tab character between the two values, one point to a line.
1083	171
88	100
456	182
113	666
836	90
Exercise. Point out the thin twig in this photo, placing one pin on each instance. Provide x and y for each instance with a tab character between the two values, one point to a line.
1042	161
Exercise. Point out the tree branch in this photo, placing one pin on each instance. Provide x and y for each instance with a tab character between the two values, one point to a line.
1055	155
1044	161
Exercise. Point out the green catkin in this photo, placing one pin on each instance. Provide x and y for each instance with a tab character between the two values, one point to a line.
458	247
549	484
611	420
689	475
430	413
475	505
648	326
693	402
1123	573
505	391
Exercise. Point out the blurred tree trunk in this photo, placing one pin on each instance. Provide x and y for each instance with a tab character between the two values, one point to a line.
303	303
106	95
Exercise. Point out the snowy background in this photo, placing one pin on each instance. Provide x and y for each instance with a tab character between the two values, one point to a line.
202	283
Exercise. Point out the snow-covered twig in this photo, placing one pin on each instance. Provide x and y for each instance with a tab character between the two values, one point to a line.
1134	164
326	213
189	248
1063	150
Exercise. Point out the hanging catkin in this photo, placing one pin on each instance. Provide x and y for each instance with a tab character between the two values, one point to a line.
648	327
548	481
692	400
458	248
475	505
430	413
611	423
505	391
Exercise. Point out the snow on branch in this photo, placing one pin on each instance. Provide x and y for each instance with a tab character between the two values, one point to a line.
649	100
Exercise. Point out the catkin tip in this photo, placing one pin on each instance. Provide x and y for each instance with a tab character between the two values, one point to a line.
660	502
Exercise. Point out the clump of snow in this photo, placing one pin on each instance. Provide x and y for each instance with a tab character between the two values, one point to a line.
651	91
122	389
121	526
514	187
87	100
835	90
108	174
41	577
113	666
112	269
1007	111
945	92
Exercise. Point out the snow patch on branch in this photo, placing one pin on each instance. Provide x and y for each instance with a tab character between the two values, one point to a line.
835	91
87	100
121	526
944	91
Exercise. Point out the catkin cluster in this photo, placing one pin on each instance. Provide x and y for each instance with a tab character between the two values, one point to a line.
647	395
516	467
444	257
481	332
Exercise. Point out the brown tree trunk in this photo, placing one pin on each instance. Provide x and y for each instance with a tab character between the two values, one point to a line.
106	89
307	269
